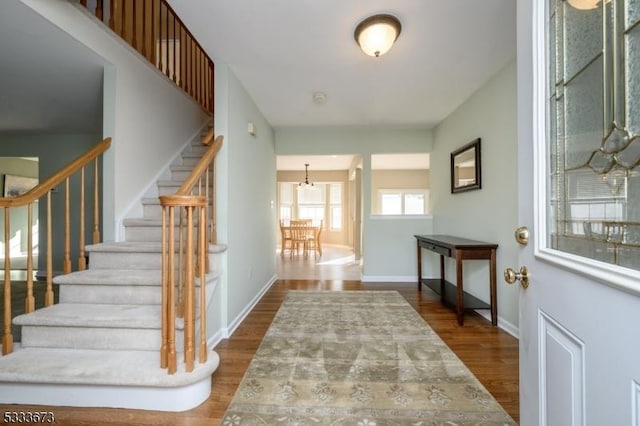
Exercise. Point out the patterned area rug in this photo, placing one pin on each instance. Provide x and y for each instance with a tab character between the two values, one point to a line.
362	358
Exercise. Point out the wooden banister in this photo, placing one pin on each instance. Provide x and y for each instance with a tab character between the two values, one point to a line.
184	259
44	189
57	178
173	48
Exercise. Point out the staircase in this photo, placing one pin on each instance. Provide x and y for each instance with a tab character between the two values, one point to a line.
99	347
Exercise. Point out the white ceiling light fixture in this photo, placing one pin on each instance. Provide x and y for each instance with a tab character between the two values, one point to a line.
376	34
586	4
306	184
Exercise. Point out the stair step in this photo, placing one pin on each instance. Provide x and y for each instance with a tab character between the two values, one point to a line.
98	326
125	255
170	187
93	315
95	378
190	158
180	173
105	286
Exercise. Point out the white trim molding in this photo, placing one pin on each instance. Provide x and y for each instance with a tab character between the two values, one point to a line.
242	315
390	279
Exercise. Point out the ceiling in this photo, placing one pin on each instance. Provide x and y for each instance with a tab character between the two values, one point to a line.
49	81
285	50
282	51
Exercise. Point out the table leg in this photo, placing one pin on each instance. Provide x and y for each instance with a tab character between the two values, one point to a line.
459	288
492	288
442	278
419	267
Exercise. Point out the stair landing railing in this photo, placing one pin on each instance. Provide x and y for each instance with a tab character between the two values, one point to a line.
76	168
188	227
154	29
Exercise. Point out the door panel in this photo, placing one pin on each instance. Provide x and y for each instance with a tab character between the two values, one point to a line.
562	364
580	315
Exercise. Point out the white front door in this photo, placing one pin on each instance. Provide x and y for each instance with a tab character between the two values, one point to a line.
579	195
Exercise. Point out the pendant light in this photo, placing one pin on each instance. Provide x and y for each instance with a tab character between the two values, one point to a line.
306	184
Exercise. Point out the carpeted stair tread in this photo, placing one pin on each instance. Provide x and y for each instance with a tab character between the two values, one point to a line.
112	277
121	277
93	315
99	367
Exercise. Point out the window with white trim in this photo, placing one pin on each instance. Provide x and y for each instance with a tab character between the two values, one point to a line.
403	201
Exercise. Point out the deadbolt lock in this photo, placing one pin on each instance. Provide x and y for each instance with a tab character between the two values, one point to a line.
522	235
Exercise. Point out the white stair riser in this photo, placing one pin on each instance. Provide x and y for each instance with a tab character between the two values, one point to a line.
151	234
152	211
117	294
180	175
170	189
97	338
124	260
198	149
111	294
190	161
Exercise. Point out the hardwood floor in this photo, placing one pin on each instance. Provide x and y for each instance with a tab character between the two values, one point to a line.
491	354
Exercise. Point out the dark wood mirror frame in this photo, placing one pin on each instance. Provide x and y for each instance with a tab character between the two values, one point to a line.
465	168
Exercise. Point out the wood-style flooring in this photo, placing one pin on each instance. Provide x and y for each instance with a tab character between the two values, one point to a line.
491	354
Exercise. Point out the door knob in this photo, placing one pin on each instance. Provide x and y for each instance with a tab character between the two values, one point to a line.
512	276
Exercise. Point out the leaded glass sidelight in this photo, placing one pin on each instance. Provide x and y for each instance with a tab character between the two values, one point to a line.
594	130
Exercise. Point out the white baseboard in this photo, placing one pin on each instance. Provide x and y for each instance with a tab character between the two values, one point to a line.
502	323
213	341
238	320
390	278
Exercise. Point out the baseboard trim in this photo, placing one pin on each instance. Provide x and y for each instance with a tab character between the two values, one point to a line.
502	323
390	278
238	320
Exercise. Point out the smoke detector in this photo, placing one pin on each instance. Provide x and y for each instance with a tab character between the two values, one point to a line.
319	98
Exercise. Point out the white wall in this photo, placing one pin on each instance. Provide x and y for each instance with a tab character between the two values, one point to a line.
146	115
489	214
55	150
388	245
246	189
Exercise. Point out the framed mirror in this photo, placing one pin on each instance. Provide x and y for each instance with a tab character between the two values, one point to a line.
465	168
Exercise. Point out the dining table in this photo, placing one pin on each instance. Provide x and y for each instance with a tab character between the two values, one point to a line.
301	235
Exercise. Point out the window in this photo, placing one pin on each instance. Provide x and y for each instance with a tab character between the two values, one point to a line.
403	202
335	206
286	201
323	203
311	203
593	108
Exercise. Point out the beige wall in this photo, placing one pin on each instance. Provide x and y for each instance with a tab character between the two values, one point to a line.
396	179
342	237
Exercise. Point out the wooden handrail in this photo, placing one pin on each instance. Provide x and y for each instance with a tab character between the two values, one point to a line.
28	199
199	170
179	267
167	43
57	178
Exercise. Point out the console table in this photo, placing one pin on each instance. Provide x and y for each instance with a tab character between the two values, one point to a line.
460	249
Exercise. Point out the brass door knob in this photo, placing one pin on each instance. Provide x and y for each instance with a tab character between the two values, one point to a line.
511	276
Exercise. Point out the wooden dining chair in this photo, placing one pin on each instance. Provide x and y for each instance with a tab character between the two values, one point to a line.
285	233
313	239
299	235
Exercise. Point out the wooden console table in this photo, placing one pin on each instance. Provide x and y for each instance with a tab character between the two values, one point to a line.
460	249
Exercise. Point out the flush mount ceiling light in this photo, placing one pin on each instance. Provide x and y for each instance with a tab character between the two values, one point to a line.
586	4
376	34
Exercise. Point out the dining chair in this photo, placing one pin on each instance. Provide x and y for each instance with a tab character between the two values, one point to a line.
299	235
313	239
285	232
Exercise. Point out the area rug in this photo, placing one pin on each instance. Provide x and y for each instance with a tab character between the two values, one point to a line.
362	358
